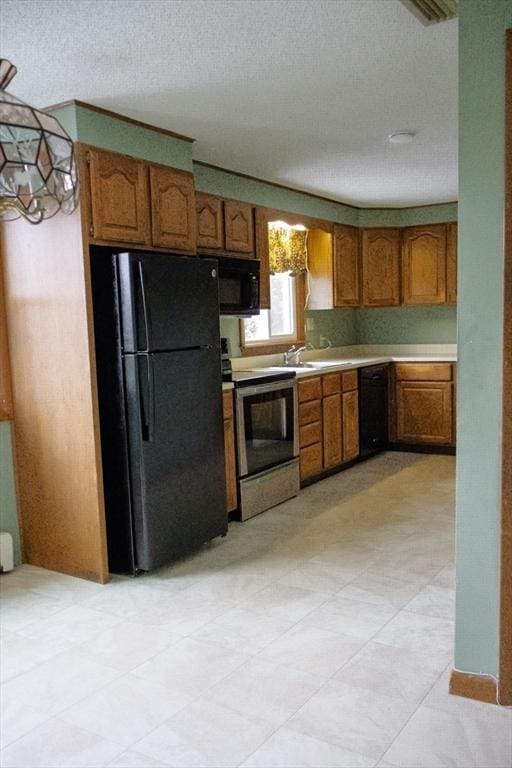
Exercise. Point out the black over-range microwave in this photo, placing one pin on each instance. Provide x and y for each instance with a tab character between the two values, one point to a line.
239	286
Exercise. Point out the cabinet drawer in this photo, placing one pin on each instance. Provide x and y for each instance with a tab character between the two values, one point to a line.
227	404
330	384
310	461
310	389
309	412
349	380
310	433
423	371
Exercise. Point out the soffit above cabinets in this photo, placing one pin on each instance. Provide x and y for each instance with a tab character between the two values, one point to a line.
303	93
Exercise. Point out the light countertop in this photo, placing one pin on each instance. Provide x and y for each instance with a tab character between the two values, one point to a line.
348	358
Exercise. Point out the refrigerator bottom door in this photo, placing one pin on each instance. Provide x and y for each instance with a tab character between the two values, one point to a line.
176	448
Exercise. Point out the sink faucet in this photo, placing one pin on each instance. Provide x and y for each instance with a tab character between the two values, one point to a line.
298	352
294	351
288	355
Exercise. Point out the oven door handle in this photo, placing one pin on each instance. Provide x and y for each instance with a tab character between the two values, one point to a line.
258	389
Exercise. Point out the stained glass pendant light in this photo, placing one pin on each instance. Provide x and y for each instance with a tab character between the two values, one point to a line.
38	174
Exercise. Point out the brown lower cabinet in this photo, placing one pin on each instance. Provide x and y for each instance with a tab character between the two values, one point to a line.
332	420
350	425
328	422
229	451
424	404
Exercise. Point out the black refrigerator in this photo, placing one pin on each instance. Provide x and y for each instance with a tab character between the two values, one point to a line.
156	322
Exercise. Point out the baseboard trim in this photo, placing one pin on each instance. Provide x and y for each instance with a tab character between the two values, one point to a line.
441	450
479	687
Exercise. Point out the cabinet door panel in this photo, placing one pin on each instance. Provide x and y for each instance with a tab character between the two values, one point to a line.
238	227
119	198
173	209
381	267
451	264
229	451
310	461
424	264
350	425
346	267
332	424
210	223
424	412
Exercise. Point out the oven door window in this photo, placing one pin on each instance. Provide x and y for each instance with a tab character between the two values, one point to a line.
268	429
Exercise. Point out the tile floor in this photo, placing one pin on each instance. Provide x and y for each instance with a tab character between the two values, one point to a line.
318	634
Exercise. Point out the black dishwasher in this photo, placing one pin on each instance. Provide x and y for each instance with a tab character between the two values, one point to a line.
373	409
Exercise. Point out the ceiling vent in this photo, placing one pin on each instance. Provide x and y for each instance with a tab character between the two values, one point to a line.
432	11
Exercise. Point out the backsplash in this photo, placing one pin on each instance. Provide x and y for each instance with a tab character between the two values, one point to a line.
407	325
339	326
390	325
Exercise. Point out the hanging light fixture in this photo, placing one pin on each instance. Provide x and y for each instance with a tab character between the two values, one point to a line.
37	162
287	248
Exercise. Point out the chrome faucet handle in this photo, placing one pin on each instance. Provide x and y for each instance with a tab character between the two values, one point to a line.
299	351
288	354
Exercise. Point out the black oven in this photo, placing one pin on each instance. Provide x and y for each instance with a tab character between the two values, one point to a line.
239	286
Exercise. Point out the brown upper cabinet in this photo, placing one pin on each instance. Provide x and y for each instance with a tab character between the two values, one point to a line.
262	253
132	201
321	269
346	266
424	264
238	227
451	263
119	198
210	222
172	208
381	267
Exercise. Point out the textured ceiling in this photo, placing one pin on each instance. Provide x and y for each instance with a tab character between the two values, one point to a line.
301	92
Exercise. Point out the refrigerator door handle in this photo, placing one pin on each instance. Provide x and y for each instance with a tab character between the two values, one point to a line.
146	398
151	403
145	308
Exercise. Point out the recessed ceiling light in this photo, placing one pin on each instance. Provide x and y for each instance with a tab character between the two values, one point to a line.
402	137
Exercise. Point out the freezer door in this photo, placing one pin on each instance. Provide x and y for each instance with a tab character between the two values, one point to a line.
176	447
168	302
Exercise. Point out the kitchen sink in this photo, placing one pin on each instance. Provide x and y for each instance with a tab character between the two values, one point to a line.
301	367
311	365
329	363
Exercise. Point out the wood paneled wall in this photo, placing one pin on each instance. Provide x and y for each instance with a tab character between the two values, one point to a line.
54	385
